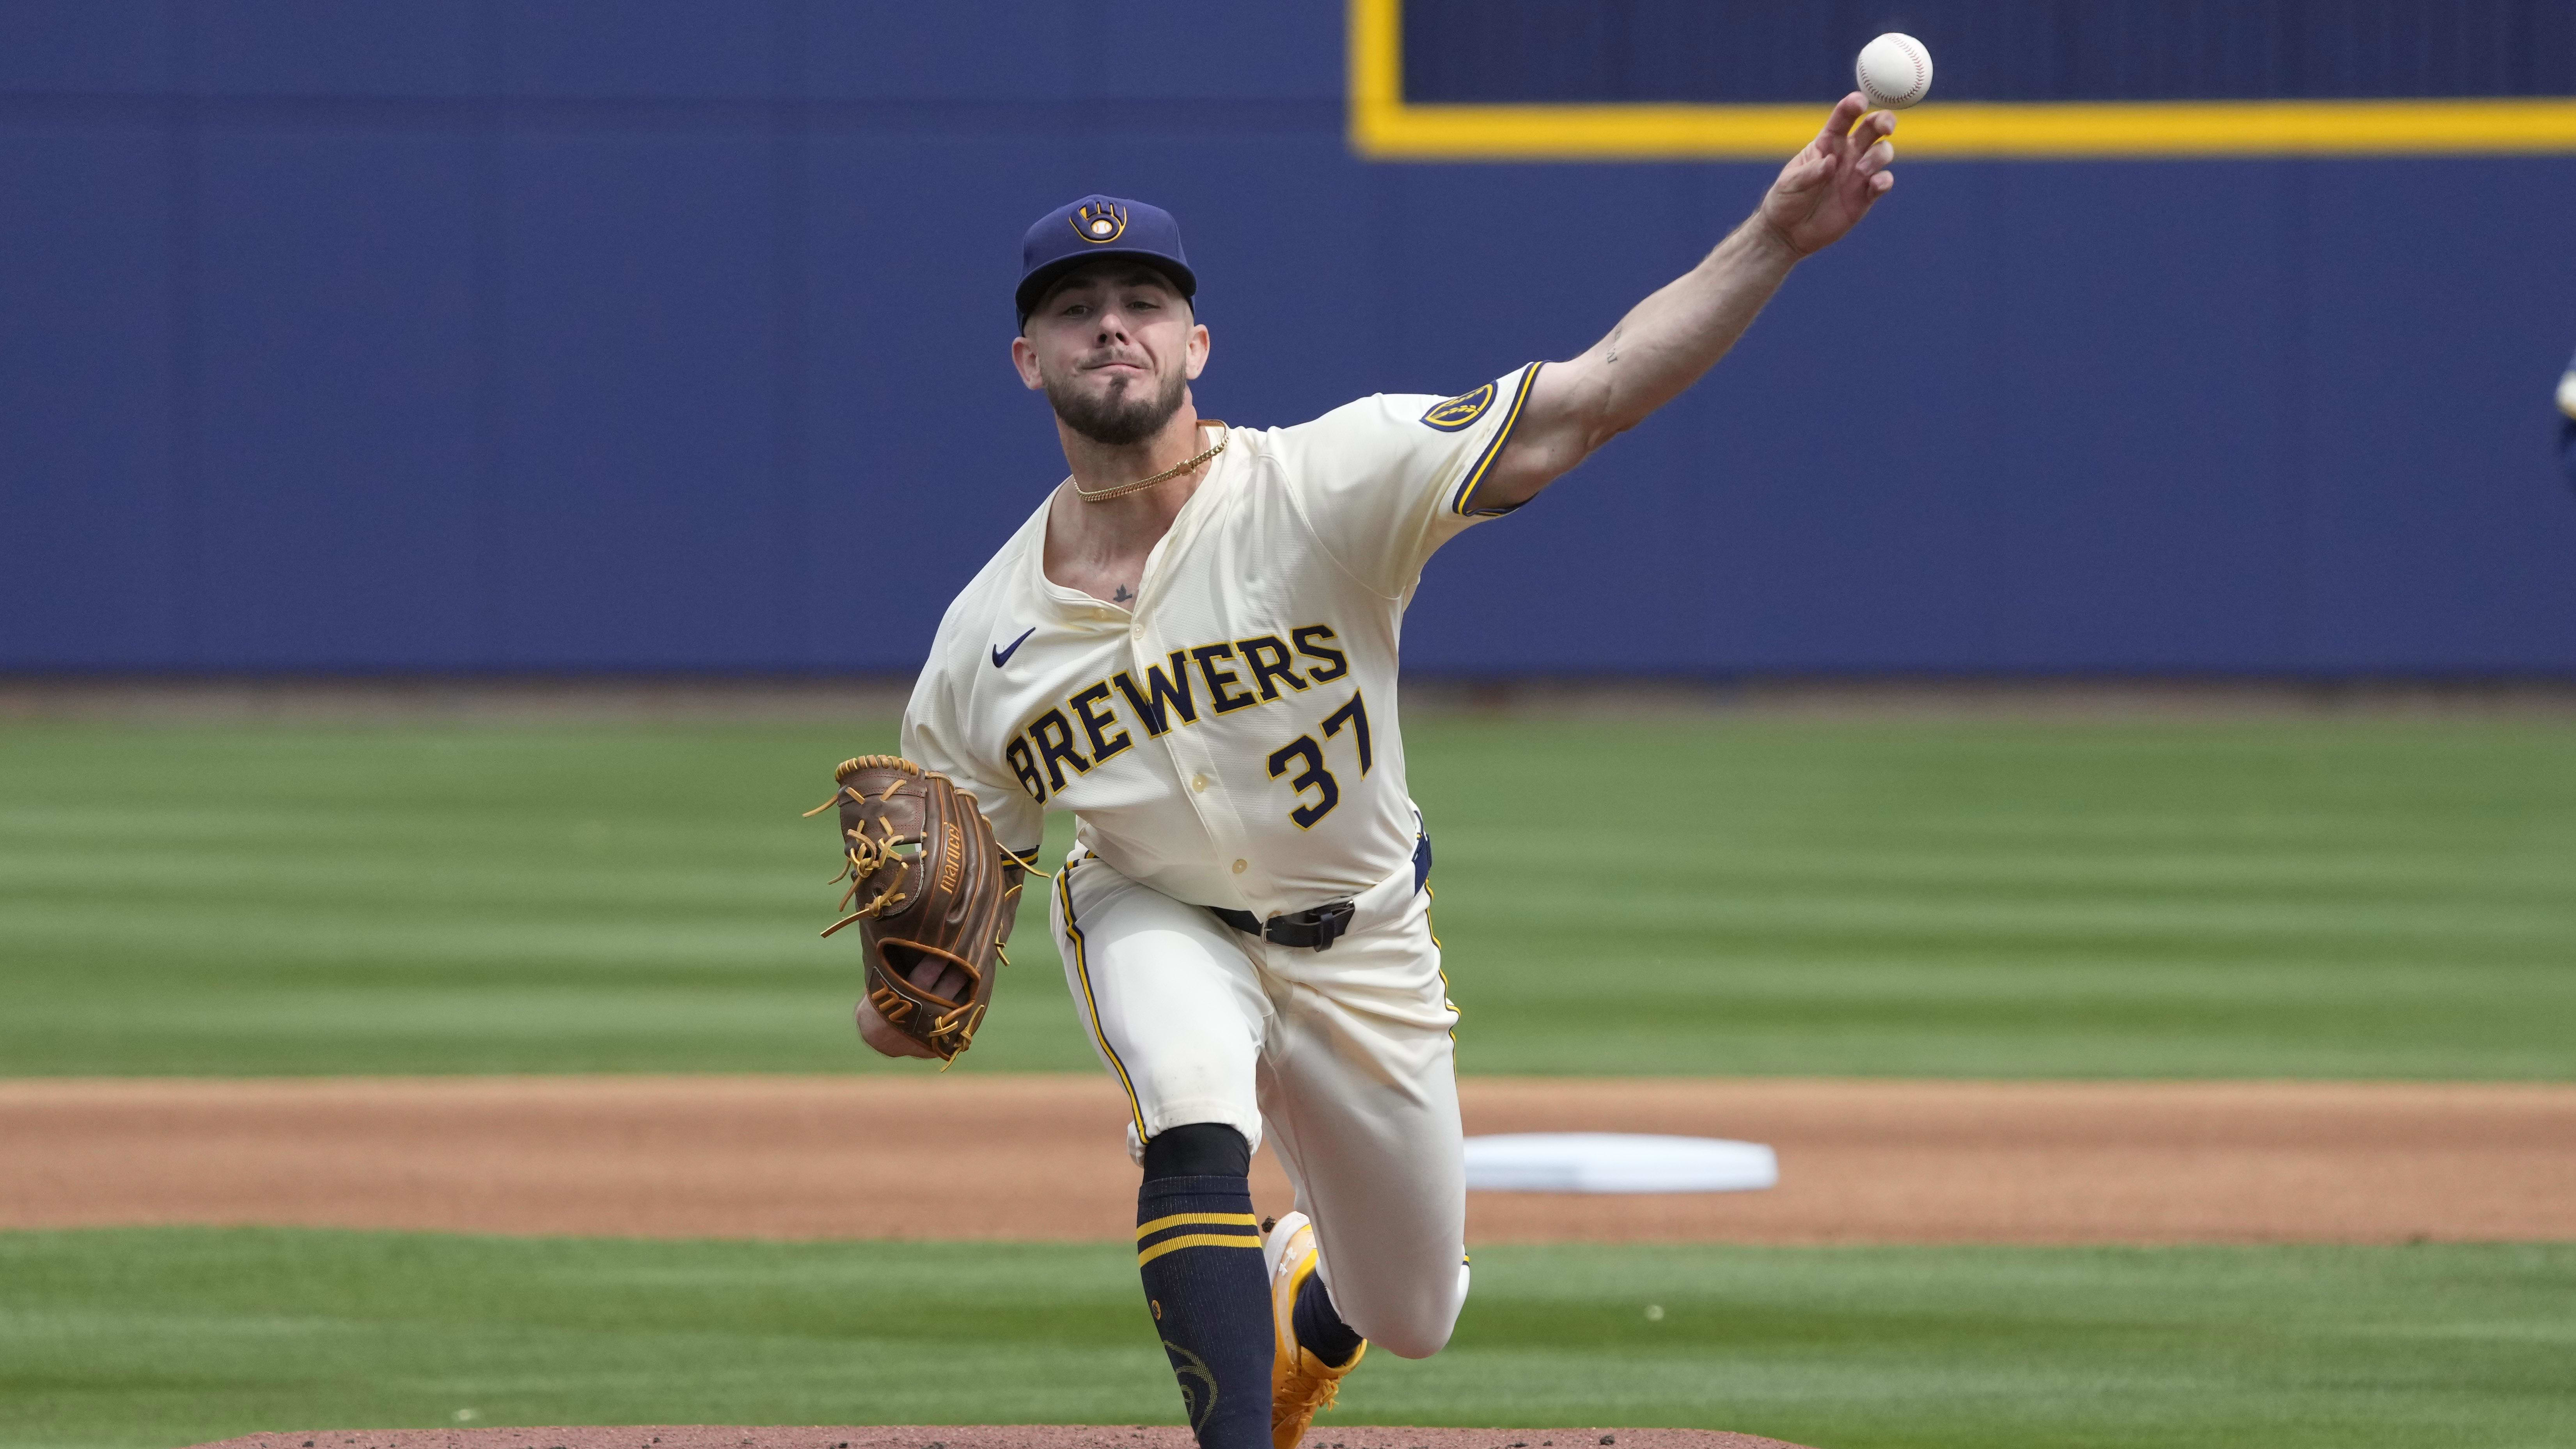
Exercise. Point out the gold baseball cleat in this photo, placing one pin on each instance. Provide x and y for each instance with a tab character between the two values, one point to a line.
1300	1383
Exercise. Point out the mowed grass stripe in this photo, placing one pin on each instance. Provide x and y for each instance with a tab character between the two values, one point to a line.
2042	895
165	1336
2330	897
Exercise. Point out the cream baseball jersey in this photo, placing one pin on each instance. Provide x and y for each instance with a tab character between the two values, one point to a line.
1230	738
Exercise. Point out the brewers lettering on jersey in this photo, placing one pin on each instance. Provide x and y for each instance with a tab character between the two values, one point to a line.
1191	645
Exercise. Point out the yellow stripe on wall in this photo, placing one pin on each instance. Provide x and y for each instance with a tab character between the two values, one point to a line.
1385	126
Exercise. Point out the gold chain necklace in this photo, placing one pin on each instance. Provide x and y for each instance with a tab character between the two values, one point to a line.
1123	489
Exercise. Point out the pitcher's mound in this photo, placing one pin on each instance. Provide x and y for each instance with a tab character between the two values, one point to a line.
977	1436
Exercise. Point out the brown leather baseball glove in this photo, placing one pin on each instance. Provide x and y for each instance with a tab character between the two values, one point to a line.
937	895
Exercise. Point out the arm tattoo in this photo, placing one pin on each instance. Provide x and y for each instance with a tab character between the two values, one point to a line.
1611	343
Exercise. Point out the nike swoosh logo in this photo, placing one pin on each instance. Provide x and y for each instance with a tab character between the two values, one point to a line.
1002	656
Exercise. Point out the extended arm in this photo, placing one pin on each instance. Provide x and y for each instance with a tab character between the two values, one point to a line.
2567	429
1666	341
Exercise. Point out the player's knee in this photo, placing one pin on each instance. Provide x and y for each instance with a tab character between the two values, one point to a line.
1198	1149
1420	1325
1416	1335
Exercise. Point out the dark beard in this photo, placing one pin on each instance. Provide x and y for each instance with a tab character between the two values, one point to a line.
1120	419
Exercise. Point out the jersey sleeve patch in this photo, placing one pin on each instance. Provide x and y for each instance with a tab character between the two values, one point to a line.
1457	413
1464	501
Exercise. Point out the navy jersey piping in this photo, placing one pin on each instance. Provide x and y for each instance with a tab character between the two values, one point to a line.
1464	504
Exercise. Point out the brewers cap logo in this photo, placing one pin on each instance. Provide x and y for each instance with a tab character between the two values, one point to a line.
1459	411
1099	221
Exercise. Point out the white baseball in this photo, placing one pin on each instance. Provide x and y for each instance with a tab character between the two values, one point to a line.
1895	71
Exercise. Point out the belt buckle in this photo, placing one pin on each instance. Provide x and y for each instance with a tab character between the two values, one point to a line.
1331	921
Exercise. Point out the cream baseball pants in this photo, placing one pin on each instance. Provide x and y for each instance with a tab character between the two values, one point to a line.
1340	1059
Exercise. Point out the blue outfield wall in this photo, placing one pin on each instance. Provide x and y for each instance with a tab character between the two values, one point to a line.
649	335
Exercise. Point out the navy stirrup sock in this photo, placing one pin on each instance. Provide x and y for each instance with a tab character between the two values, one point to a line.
1198	1248
1320	1330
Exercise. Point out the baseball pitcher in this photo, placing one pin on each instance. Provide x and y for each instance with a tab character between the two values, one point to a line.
1191	644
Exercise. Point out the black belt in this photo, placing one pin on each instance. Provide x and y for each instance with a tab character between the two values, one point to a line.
1317	926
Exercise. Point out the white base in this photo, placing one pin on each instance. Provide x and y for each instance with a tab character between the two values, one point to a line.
1617	1162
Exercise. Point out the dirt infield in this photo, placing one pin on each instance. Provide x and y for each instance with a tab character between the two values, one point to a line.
1041	1157
954	1436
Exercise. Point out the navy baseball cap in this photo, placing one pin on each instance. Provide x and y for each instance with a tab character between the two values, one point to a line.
1100	226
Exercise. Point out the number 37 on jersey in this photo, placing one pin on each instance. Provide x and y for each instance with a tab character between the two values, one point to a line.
1208	682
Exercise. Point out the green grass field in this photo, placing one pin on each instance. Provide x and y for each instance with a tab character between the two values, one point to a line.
2338	898
137	1338
2265	898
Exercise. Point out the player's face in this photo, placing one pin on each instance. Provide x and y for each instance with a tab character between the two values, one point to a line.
1114	347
